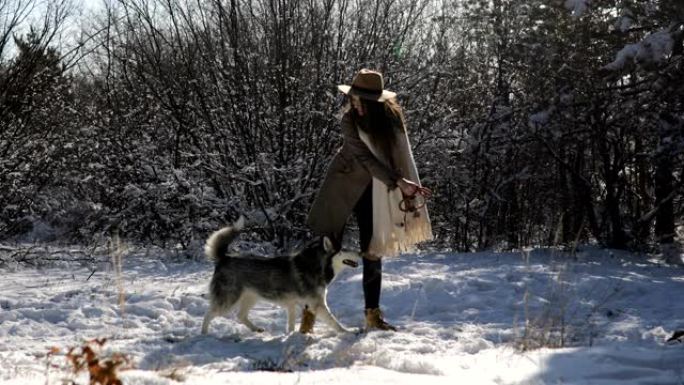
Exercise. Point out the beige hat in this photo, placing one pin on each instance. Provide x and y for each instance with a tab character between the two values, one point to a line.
368	84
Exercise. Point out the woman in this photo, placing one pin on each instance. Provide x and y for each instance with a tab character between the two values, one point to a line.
371	174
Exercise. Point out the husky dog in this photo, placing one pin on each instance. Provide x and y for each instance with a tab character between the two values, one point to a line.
299	279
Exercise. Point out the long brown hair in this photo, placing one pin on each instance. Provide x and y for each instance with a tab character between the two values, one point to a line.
380	122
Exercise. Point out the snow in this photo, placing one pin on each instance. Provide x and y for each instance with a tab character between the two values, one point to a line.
652	49
462	319
578	7
541	117
625	21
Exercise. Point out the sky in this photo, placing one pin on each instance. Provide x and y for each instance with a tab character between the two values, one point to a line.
81	12
91	4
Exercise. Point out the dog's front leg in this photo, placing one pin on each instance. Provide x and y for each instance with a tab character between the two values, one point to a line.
290	317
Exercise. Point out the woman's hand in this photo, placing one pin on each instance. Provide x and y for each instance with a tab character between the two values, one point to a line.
410	188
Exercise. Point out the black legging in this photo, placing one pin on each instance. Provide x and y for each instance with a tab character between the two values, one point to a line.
372	269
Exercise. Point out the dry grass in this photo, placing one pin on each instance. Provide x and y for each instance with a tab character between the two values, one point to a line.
564	318
88	358
548	326
117	251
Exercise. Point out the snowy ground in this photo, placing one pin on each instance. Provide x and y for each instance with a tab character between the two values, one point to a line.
463	318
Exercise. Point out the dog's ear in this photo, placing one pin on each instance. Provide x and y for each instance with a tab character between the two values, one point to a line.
328	245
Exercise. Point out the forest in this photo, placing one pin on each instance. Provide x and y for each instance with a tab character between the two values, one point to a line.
536	123
550	132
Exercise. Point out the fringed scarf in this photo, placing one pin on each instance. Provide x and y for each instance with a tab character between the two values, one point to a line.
396	231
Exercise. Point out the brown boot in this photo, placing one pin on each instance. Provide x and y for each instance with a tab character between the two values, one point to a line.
308	320
374	321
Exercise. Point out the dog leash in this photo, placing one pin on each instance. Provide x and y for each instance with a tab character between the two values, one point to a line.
412	204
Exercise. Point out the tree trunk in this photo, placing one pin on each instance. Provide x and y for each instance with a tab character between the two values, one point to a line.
665	221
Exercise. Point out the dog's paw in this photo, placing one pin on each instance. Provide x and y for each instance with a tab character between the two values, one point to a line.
308	321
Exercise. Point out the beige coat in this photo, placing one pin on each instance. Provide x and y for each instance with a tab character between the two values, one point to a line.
348	175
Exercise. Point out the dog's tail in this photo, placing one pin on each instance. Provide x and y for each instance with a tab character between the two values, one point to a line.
216	247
